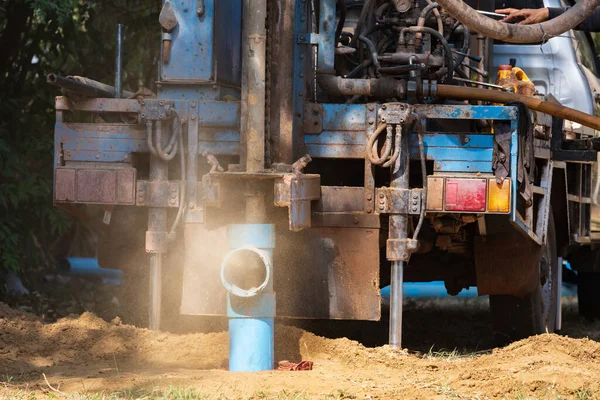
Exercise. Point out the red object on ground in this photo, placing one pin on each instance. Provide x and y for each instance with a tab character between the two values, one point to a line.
301	366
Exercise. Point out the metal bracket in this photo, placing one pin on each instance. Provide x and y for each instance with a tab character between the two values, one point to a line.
400	249
313	118
157	194
296	192
154	110
395	113
399	201
308	38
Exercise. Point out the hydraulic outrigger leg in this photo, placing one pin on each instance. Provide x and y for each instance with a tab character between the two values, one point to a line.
398	233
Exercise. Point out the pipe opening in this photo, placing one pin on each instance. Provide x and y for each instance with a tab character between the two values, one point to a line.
246	271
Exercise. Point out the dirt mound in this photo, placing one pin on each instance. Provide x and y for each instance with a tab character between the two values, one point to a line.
86	351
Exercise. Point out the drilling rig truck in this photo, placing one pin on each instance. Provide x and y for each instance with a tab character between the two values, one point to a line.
299	155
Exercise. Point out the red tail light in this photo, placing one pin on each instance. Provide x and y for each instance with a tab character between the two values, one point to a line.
466	194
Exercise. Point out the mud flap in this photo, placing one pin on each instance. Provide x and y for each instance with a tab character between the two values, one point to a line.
506	264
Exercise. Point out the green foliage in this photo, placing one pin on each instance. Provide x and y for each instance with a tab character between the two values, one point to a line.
67	37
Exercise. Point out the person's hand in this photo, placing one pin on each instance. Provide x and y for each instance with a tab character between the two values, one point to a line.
525	16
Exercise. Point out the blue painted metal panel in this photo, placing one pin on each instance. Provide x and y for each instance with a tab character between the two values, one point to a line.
343	117
218	114
338	138
466	112
326	42
192	43
463	166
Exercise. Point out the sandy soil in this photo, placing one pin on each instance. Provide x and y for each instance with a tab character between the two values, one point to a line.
85	354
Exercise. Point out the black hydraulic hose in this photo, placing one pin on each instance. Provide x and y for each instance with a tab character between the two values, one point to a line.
372	51
515	33
341	22
362	19
358	69
444	43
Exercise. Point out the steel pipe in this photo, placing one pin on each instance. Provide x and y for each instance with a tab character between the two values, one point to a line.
81	86
514	33
381	88
119	63
398	232
255	39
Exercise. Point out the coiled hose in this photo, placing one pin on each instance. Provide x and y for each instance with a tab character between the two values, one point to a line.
174	145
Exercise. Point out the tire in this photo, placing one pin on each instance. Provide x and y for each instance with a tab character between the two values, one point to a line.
588	295
515	318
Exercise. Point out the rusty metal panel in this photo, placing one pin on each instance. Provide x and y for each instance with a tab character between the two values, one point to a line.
345	220
296	192
398	201
126	186
435	194
97	186
64	184
506	264
157	194
340	199
325	273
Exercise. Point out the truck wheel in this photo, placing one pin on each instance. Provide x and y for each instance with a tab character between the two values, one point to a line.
588	295
515	318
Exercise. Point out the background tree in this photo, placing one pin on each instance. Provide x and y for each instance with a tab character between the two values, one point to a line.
67	37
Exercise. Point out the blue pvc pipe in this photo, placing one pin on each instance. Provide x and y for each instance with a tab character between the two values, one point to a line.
251	337
87	267
251	344
438	290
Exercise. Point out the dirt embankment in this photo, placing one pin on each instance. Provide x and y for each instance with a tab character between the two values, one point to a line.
87	354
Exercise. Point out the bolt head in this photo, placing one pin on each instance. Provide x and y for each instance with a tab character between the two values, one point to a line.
384	107
162	103
370	107
381	195
161	116
371	122
355	220
369	197
369	210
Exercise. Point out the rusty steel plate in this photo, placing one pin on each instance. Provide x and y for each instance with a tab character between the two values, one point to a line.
321	273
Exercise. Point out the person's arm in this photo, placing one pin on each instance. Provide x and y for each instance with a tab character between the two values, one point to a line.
528	16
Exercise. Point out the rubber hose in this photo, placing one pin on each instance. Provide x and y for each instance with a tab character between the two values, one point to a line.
495	96
515	33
